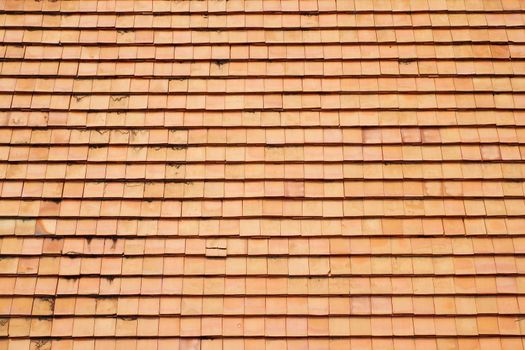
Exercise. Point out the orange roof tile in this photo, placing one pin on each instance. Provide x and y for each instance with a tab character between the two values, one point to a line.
274	174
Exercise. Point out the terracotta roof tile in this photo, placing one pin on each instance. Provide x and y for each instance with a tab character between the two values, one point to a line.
262	174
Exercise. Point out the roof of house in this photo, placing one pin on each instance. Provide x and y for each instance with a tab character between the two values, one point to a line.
262	174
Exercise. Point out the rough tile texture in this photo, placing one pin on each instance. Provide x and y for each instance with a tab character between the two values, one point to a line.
262	174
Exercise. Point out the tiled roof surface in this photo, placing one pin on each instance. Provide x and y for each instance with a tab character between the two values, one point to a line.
262	174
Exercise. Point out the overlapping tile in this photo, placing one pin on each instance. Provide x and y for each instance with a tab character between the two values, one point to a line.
262	174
